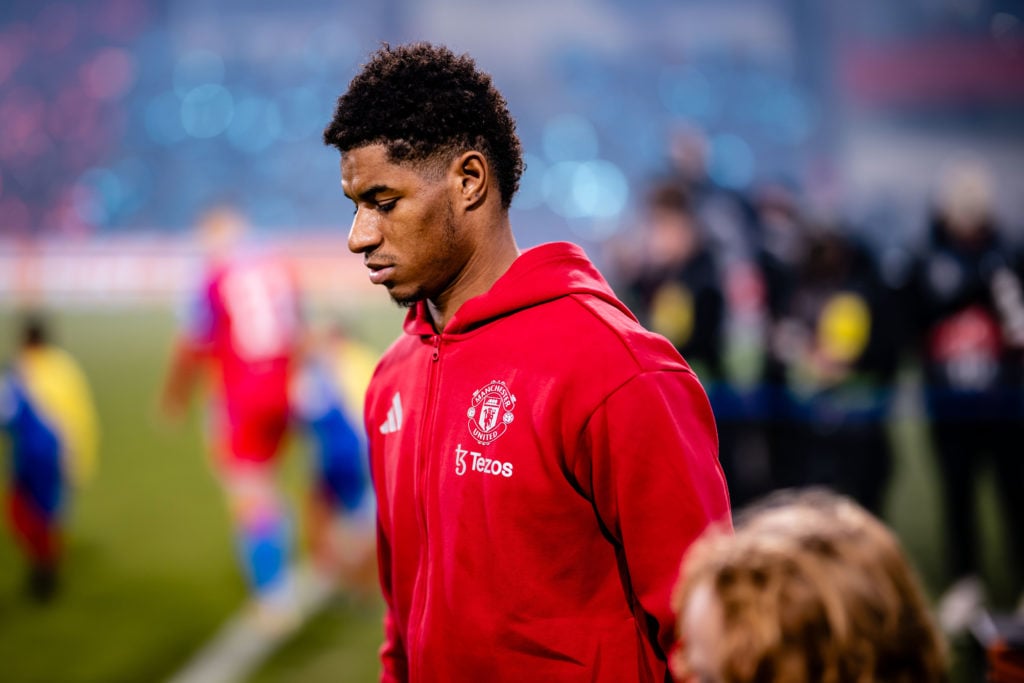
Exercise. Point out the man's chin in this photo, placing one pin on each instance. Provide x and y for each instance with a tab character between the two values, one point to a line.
404	300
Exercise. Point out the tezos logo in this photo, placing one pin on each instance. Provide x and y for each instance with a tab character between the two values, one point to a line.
480	464
491	412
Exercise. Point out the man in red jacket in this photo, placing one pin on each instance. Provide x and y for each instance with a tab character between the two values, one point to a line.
541	461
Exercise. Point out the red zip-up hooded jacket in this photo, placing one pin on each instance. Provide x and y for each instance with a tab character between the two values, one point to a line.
540	468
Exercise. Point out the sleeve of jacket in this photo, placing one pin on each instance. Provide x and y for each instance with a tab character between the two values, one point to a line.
394	666
650	454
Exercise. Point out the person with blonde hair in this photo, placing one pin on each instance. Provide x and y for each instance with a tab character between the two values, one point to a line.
811	588
964	304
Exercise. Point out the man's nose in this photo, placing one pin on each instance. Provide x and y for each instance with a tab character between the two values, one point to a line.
363	235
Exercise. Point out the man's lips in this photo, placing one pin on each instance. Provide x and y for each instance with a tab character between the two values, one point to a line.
379	272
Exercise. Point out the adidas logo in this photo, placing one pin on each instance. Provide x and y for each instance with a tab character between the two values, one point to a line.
394	421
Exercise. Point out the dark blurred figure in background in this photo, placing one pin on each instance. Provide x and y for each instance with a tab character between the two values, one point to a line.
741	392
677	289
47	410
839	343
969	330
726	214
759	285
675	284
242	332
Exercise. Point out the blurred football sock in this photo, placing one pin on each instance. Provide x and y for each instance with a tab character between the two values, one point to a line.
35	530
262	528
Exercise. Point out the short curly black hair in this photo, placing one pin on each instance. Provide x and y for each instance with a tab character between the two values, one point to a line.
426	104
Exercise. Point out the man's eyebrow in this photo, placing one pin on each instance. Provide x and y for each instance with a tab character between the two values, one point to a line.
370	193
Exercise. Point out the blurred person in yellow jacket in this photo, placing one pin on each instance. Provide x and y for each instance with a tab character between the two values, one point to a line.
47	412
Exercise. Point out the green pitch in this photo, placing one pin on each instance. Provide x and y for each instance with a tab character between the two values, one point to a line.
150	573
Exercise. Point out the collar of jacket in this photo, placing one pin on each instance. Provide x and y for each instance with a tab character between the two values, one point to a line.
540	274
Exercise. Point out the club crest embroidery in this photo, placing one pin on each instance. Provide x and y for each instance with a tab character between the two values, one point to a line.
491	412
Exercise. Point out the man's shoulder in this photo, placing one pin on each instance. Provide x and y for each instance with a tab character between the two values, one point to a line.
607	328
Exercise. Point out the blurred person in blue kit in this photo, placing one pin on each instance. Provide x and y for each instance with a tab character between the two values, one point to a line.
966	303
328	391
47	411
839	344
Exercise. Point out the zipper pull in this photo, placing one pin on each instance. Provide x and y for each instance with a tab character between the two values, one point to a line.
437	345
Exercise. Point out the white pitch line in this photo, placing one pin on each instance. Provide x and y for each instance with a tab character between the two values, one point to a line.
251	635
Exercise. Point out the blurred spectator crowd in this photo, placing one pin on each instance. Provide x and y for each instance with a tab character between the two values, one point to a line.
125	116
802	330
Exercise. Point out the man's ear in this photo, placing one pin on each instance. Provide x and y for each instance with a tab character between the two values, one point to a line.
471	174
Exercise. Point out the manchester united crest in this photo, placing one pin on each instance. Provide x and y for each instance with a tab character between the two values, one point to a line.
491	412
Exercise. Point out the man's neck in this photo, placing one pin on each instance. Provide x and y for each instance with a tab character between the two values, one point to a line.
486	266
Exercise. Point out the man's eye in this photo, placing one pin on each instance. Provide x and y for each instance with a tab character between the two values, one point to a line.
385	207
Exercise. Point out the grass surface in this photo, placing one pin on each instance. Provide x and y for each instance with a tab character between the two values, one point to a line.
150	573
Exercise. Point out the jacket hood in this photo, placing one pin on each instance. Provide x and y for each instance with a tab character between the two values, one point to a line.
540	274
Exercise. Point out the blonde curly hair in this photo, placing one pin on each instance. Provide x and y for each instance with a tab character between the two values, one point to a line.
811	588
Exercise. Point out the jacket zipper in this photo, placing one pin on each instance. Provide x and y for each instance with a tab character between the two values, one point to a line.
422	482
